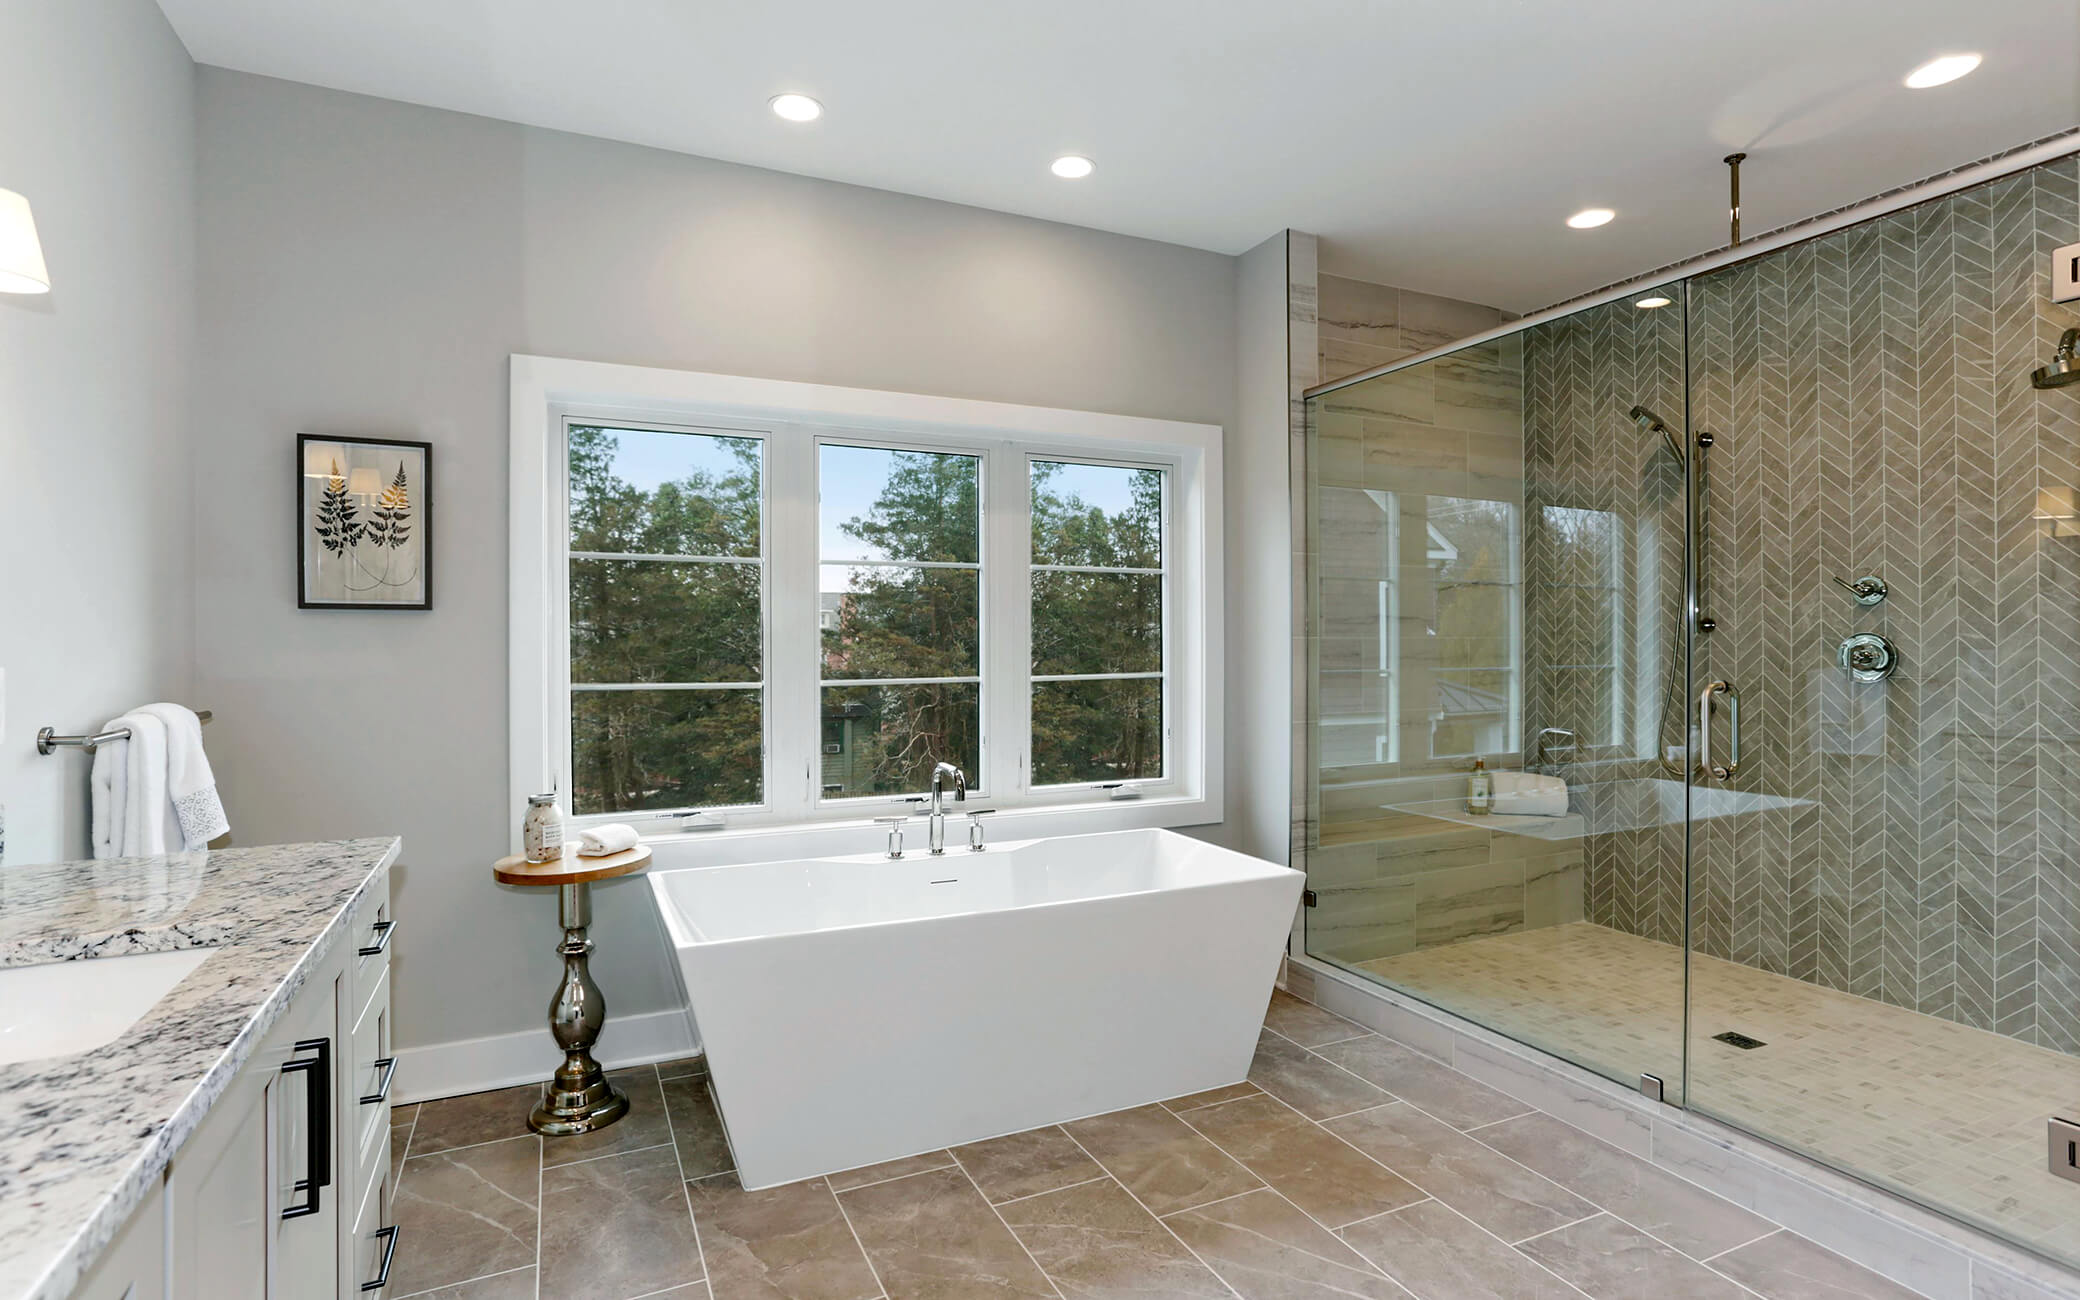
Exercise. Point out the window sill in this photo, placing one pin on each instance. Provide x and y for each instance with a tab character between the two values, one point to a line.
827	839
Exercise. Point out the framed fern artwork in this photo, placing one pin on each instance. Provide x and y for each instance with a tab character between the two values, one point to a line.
364	523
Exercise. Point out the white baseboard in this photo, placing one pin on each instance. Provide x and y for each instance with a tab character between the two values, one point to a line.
503	1060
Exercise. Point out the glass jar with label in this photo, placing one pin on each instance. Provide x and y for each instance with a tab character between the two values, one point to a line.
541	831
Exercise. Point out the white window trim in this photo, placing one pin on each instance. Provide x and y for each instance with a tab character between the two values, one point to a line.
546	389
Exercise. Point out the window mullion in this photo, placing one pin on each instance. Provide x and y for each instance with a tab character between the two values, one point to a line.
794	731
1007	623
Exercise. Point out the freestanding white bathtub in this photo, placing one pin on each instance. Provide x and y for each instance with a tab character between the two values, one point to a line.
859	1009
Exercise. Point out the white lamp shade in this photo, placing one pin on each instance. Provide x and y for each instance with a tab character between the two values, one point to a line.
21	256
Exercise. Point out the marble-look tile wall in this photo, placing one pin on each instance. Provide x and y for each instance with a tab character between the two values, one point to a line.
1870	394
1397	883
1362	325
1399	471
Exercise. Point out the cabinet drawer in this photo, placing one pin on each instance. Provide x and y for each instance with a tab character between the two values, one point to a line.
370	934
374	1241
370	1068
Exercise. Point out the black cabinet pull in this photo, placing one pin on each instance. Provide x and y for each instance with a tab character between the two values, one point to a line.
388	1065
317	1073
382	1278
382	931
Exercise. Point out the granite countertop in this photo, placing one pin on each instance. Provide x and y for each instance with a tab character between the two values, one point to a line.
83	1137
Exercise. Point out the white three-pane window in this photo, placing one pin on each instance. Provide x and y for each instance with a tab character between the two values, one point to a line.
782	623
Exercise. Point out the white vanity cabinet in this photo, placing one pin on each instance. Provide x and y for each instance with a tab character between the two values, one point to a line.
280	1193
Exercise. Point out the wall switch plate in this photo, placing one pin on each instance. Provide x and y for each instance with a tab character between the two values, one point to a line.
2065	274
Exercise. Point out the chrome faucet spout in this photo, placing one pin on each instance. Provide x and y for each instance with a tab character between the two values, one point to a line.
937	812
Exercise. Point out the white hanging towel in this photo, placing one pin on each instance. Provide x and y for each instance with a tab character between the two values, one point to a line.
108	792
190	785
153	793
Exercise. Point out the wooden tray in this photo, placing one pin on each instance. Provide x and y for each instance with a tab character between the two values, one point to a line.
570	869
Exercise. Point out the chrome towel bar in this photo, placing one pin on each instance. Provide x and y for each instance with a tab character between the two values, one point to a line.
49	741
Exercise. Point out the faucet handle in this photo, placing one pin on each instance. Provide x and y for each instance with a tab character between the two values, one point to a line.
975	816
1868	590
895	832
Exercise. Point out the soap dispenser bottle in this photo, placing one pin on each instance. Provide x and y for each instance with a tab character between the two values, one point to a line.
1480	789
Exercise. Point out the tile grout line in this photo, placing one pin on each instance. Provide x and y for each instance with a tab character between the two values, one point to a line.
1506	1119
1045	1275
1668	1245
893	1178
700	1251
1281	1195
1086	1182
1680	1253
1410	1181
1211	1271
1179	1110
1599	1212
481	1277
857	1244
1749	1242
1427	1199
1218	1200
540	1178
1481	1228
606	1155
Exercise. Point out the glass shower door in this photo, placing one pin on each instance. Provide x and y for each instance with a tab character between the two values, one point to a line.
1495	572
1885	898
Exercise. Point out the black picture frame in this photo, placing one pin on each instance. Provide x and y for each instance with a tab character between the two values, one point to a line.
417	525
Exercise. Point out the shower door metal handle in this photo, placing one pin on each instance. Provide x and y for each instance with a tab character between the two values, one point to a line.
1705	709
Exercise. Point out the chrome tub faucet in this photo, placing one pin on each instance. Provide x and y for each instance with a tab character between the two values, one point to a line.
937	810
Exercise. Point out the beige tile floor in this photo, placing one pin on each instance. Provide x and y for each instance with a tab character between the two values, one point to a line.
1947	1114
1348	1166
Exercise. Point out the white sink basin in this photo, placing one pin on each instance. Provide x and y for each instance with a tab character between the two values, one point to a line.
63	1007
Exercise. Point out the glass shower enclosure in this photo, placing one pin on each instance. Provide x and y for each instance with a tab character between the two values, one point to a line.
1759	594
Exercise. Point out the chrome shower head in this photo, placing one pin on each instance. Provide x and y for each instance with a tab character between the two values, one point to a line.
2065	365
1653	423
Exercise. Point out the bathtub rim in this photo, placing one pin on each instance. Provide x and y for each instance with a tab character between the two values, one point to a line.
677	928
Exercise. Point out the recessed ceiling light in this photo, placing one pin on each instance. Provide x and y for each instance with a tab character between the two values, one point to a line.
1590	218
1072	167
1652	300
1937	72
796	108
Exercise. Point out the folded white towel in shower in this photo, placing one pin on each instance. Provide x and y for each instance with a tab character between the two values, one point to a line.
611	837
1529	794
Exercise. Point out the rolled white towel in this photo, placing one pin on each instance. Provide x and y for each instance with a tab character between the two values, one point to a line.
1530	794
1524	804
613	837
1528	783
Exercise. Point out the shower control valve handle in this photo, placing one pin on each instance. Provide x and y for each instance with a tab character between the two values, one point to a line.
1868	590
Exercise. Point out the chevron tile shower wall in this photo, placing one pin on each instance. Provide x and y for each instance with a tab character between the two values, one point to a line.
1869	392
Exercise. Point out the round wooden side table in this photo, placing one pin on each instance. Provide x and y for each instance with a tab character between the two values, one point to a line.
578	1099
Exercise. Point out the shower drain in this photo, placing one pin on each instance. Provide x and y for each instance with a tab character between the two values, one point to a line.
1740	1040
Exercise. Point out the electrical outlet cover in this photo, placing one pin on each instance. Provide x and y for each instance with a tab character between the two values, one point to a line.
2065	274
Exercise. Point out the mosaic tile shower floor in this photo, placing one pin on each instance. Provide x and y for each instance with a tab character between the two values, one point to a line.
1950	1115
1348	1166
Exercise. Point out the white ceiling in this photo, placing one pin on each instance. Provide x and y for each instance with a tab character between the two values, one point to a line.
1436	144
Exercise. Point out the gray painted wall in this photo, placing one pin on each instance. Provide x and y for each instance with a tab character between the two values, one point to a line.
367	267
1260	576
93	394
